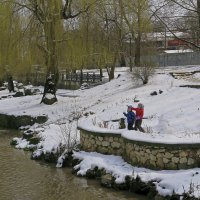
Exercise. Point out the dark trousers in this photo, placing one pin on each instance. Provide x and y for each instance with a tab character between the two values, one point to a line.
138	124
130	126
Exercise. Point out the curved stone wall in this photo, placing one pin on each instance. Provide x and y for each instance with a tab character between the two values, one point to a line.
162	156
143	154
101	142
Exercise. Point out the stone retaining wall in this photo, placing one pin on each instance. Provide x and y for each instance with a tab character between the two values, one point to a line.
162	156
14	122
143	154
101	142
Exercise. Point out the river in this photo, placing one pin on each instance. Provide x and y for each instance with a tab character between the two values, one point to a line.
24	179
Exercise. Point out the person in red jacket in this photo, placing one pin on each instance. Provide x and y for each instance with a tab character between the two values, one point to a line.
139	116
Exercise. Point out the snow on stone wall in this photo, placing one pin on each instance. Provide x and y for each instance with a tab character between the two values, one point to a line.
140	153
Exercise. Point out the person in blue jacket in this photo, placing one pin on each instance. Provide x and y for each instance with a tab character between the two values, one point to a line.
130	117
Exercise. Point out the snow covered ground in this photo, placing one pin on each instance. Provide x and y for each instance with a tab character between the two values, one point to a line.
172	117
167	181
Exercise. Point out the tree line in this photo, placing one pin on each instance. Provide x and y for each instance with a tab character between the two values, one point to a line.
78	34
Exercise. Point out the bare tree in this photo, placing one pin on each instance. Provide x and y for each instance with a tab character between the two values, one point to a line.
144	72
136	17
184	16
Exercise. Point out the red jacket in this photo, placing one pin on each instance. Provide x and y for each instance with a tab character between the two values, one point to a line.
139	112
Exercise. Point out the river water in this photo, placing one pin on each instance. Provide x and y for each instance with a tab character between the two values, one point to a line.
24	179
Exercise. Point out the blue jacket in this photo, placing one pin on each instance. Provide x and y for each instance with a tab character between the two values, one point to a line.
130	117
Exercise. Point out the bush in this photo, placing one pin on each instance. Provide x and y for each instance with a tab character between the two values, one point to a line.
144	72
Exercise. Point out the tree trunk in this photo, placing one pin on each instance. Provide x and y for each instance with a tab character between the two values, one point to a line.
138	38
122	60
198	12
52	65
101	73
112	70
112	75
137	51
10	84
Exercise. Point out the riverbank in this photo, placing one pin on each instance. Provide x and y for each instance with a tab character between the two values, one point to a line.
166	116
23	178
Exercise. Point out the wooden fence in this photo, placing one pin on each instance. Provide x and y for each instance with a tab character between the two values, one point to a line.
81	77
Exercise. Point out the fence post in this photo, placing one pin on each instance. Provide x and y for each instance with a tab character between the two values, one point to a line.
70	76
66	74
81	77
93	76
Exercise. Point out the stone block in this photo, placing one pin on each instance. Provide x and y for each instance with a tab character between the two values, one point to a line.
171	166
198	152
182	166
153	163
168	155
183	160
105	143
115	145
152	158
154	152
161	151
183	154
84	135
132	154
148	151
116	139
92	141
165	160
175	160
98	143
134	160
160	163
160	155
141	153
143	160
190	161
137	148
100	138
102	150
110	139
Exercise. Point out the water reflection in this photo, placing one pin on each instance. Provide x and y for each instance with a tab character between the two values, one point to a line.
25	179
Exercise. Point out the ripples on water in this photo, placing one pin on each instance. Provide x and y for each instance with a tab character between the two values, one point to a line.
24	179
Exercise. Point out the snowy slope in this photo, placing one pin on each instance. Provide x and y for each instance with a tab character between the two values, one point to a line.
173	117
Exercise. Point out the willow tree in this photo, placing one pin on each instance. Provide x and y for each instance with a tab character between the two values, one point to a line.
10	47
5	26
137	18
50	15
113	35
90	45
107	32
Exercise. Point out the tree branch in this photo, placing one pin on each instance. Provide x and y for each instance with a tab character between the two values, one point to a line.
184	40
182	6
67	11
